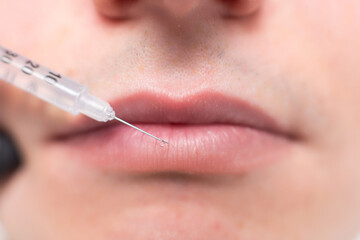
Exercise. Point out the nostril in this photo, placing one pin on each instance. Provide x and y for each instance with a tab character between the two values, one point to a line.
241	8
114	8
9	155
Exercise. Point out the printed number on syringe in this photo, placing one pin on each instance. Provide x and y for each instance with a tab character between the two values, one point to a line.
51	78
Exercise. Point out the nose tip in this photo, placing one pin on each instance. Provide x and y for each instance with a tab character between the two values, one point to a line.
180	8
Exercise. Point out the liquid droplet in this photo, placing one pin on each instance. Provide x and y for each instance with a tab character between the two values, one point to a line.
163	143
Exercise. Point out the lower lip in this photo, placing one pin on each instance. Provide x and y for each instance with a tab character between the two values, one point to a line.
215	148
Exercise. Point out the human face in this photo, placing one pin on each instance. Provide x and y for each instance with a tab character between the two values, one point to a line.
259	102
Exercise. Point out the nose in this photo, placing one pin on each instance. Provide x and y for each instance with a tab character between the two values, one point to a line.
241	8
114	8
130	8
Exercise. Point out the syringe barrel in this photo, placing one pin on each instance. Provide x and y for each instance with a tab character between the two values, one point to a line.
51	86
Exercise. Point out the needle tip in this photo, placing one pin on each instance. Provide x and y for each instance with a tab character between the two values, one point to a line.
130	125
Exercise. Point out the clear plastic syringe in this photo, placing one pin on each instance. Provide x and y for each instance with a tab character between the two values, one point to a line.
56	89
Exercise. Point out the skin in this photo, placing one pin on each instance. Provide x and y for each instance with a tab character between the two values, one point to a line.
298	60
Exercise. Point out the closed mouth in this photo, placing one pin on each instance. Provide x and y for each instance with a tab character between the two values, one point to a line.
207	132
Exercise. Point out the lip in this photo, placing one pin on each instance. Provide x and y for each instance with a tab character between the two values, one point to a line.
207	132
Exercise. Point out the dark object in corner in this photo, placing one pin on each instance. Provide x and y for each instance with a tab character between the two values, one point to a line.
9	155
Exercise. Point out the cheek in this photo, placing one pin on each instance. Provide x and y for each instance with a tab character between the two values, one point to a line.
23	18
334	24
334	30
34	27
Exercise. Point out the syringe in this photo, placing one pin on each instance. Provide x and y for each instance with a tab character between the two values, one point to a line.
56	89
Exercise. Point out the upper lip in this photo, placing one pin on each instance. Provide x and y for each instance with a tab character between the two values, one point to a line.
203	108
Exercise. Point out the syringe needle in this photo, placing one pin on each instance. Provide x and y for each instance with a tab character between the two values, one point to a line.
130	125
